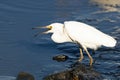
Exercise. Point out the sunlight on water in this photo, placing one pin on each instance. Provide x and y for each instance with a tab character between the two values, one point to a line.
107	5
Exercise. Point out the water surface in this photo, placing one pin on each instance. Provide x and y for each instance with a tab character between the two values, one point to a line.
21	51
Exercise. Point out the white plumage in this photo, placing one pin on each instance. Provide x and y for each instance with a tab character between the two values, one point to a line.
84	35
88	36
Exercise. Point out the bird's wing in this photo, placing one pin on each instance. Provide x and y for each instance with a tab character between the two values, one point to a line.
88	35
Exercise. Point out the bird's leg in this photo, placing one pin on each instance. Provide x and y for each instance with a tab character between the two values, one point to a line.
91	59
81	55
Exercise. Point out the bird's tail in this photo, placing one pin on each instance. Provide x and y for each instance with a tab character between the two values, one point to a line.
108	41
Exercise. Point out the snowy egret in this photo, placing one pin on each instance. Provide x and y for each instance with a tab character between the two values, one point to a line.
84	35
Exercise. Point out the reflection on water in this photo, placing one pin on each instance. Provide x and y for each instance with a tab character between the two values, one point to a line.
7	78
108	5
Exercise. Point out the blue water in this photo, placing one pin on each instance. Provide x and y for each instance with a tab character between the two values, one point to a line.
21	51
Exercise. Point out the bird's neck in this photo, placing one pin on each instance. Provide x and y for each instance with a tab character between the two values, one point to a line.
60	37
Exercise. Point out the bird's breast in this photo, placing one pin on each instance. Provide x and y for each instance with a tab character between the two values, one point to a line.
60	38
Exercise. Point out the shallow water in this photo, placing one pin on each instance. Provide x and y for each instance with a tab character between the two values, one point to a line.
21	51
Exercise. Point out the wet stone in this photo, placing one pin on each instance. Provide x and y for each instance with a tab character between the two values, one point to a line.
79	72
25	76
60	58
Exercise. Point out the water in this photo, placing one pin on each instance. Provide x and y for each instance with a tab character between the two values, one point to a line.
21	51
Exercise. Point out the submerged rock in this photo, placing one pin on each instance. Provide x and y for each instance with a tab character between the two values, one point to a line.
60	58
25	76
78	72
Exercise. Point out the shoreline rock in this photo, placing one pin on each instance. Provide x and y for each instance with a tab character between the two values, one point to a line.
78	72
25	76
60	58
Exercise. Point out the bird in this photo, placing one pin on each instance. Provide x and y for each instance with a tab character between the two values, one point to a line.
84	35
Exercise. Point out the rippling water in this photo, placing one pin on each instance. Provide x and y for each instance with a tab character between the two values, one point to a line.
21	51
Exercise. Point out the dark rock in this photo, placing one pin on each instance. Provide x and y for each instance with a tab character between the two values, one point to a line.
60	58
25	76
79	72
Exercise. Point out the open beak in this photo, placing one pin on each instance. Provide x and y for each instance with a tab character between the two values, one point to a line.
48	28
45	27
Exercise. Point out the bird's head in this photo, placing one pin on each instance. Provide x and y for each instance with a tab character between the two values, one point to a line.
52	28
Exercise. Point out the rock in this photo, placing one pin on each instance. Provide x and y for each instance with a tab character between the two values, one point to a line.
25	76
78	72
60	58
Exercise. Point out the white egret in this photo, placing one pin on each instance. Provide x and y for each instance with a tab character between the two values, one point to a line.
84	35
